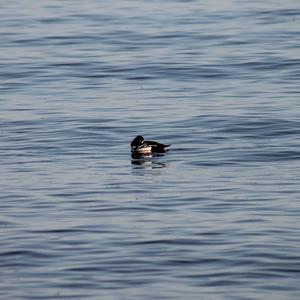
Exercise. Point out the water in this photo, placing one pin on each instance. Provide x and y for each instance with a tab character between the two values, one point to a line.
217	217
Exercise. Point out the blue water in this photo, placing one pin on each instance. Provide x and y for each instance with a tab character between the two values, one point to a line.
217	217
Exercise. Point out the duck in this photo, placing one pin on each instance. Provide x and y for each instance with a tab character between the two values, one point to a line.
140	147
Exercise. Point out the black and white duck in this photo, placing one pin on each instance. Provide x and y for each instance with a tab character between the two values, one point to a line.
140	147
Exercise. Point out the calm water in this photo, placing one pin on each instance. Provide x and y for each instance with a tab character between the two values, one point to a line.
218	217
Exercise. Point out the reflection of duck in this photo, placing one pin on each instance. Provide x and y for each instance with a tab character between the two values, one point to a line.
147	163
142	148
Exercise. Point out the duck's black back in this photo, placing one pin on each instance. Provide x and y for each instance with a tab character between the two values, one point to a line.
157	147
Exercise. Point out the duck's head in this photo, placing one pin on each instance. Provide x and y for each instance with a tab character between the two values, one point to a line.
137	143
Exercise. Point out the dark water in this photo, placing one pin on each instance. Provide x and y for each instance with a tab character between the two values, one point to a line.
218	217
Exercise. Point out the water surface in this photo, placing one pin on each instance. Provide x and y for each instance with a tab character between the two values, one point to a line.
217	217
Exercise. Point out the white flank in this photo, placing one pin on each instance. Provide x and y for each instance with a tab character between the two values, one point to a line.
144	150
